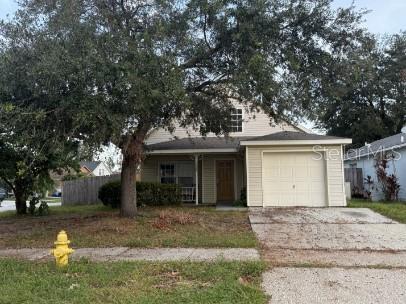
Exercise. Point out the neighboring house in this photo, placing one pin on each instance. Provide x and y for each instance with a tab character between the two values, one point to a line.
87	168
94	168
277	164
365	158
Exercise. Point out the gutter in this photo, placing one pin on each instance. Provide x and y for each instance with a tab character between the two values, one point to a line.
191	151
296	142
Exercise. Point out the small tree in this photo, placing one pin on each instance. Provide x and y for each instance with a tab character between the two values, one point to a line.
28	150
370	186
389	182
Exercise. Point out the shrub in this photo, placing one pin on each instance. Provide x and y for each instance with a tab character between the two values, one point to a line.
150	194
389	182
109	194
43	208
242	202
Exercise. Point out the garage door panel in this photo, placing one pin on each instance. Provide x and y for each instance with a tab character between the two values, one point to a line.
287	198
303	186
293	179
272	172
285	171
302	172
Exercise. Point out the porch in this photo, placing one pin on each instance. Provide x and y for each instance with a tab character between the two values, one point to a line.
204	178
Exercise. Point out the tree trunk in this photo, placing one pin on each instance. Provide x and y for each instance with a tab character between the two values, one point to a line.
21	200
132	156
128	191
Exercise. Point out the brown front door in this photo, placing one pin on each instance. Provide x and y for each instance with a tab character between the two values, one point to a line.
225	180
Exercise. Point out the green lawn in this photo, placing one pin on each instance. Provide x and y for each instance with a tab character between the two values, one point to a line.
131	282
99	226
393	210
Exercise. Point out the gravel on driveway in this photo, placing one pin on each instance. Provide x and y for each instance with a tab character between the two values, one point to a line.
331	255
328	229
335	285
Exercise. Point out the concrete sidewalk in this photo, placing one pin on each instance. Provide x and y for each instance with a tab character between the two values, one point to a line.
140	254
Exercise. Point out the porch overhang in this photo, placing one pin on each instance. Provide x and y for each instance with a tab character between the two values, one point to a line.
191	151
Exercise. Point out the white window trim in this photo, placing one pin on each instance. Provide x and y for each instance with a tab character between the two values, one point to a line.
242	121
174	169
175	163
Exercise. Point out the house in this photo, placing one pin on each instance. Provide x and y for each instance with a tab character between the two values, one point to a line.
394	148
87	168
276	164
94	168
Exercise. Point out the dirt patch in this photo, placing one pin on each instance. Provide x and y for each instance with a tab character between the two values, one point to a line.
153	227
355	214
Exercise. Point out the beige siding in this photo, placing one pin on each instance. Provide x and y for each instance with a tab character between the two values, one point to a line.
209	180
254	124
335	170
254	176
149	170
334	174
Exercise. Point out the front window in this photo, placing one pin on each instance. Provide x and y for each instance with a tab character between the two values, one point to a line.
236	121
167	172
181	173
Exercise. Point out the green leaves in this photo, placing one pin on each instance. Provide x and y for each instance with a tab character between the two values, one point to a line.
370	100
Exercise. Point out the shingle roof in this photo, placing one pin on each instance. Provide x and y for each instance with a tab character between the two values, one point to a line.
201	143
290	135
198	143
391	142
91	165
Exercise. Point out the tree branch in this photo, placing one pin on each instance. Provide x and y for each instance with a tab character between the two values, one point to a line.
195	60
10	184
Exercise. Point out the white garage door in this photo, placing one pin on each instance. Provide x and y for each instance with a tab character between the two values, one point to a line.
294	179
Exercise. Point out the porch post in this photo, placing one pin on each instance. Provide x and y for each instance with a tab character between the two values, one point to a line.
197	178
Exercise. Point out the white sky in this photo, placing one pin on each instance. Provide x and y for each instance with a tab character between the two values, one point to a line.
386	16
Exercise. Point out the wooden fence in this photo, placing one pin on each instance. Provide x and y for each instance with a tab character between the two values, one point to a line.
84	191
355	177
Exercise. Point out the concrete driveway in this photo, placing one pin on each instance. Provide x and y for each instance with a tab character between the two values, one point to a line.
11	206
332	255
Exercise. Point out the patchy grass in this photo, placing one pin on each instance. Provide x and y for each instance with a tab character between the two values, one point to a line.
393	210
99	226
131	282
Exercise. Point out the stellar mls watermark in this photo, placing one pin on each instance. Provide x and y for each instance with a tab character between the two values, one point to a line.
377	153
323	153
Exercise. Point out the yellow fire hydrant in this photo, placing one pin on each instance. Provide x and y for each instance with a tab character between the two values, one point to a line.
62	250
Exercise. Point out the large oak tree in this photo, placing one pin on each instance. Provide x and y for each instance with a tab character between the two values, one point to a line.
122	68
369	101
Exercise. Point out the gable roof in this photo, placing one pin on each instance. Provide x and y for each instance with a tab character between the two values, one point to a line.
232	144
289	135
392	142
90	165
